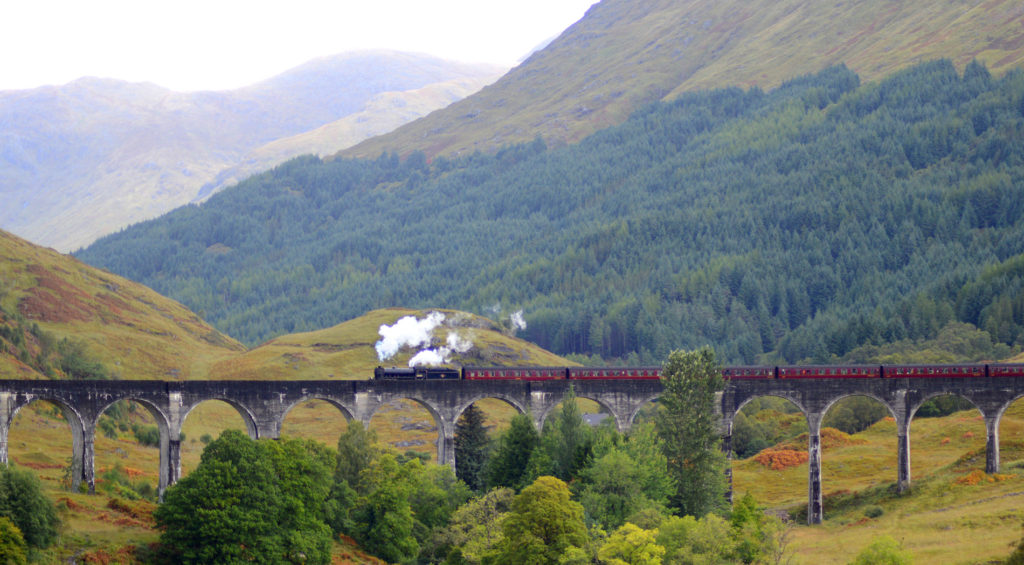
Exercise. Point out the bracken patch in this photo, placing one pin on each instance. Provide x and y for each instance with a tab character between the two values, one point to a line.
779	459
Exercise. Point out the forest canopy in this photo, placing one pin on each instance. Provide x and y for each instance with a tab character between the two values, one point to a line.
805	223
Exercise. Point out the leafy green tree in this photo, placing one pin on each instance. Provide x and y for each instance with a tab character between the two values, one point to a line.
303	469
883	550
688	428
631	545
233	508
357	452
757	535
612	489
508	463
471	446
704	541
475	528
23	501
543	524
13	549
384	523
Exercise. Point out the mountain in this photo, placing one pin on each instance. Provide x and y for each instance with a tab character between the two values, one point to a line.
624	54
84	159
801	223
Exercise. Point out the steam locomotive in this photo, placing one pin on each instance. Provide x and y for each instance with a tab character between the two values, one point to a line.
976	370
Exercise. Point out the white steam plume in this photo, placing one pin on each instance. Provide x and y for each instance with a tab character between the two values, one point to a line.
406	332
456	344
518	321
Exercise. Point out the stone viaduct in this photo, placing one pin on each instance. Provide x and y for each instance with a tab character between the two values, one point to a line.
264	404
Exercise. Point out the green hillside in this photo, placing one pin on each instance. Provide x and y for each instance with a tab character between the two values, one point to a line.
804	222
626	53
64	319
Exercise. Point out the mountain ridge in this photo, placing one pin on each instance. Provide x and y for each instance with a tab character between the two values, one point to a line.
623	54
83	159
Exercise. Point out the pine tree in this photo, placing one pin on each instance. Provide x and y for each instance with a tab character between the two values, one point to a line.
471	447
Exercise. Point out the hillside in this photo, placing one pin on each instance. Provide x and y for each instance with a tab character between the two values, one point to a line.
624	54
346	351
802	222
126	328
87	158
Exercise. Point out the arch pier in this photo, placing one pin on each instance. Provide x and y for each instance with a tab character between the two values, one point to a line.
264	404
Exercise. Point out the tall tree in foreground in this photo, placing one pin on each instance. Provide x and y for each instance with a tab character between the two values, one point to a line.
688	427
471	444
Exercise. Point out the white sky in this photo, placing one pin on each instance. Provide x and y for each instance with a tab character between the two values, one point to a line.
221	44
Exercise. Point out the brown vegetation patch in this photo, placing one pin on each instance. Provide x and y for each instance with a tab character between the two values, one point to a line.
53	300
140	510
122	555
978	476
779	459
39	466
830	437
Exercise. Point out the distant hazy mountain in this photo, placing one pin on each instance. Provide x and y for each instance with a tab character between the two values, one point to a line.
84	159
626	53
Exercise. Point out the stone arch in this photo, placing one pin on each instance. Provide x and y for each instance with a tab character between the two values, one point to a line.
81	437
631	419
835	399
990	432
247	416
912	411
345	411
444	427
1006	405
543	418
163	424
780	394
457	413
324	427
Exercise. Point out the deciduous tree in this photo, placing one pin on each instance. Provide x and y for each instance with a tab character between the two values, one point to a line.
688	427
543	525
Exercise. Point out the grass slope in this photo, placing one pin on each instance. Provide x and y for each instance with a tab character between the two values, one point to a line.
624	53
954	513
134	332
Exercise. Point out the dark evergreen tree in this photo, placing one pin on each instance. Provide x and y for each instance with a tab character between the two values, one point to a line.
471	447
508	463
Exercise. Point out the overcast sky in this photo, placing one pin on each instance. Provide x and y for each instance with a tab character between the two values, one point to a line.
221	44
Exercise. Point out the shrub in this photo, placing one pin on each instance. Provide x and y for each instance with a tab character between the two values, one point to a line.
873	511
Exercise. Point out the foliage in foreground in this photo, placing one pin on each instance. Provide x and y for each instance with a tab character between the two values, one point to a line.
32	513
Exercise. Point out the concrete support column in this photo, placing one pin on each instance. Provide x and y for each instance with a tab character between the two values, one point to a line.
6	417
4	429
814	504
173	461
903	456
991	444
89	457
446	446
727	450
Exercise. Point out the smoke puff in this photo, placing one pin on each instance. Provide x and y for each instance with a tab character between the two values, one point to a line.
430	357
518	321
458	344
406	332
